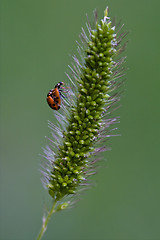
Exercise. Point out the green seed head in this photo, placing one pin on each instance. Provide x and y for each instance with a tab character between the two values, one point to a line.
84	118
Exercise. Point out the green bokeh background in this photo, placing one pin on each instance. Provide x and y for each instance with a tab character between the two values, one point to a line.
37	38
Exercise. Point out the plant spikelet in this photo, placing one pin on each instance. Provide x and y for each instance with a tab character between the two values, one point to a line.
84	119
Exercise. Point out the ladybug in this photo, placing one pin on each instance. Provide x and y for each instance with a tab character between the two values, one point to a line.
53	97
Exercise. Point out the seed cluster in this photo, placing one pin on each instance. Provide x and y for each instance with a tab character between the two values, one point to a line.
72	163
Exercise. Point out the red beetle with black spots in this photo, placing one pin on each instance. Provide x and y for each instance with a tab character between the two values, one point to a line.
54	96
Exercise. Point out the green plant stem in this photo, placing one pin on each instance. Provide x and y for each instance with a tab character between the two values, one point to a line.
45	223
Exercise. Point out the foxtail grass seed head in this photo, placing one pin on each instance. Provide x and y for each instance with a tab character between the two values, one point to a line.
83	122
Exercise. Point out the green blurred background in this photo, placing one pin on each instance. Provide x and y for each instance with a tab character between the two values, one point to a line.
37	38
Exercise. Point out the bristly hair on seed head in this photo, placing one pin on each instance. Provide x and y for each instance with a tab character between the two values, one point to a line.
83	123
